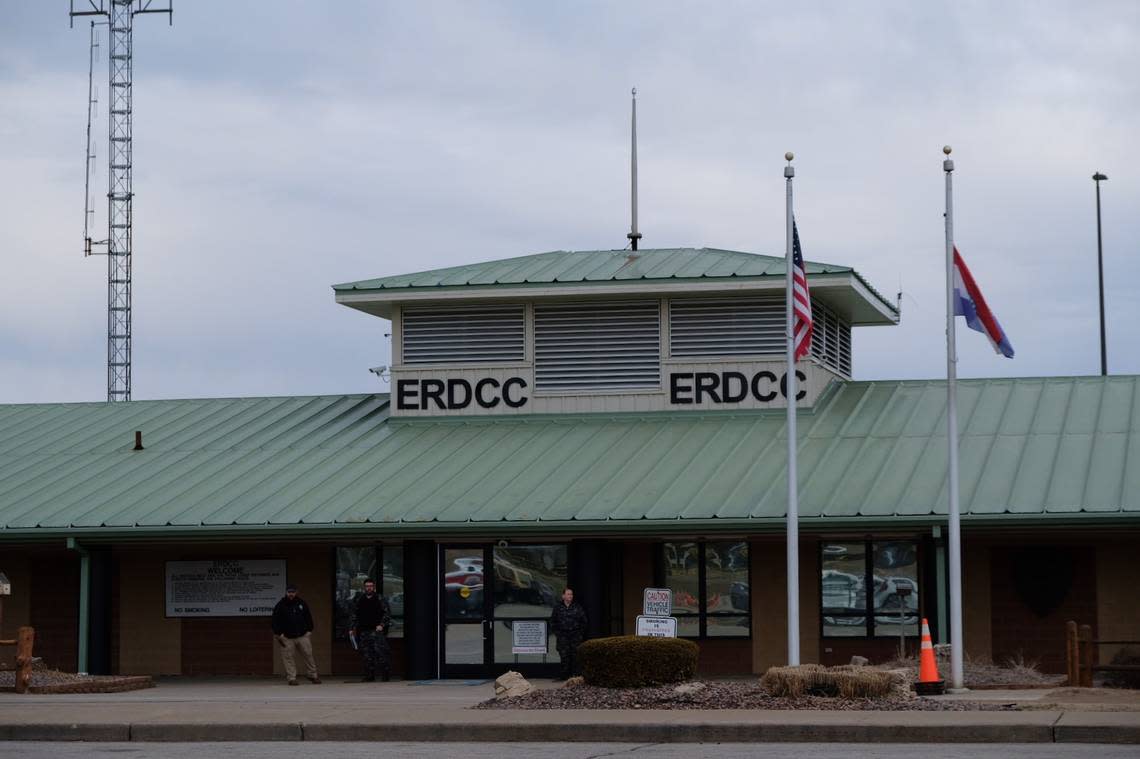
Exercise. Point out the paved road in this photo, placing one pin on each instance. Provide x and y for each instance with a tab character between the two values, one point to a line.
301	750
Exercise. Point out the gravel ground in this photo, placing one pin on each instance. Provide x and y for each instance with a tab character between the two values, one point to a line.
983	675
746	694
43	677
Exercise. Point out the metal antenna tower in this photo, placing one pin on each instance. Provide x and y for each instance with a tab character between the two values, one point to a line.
120	21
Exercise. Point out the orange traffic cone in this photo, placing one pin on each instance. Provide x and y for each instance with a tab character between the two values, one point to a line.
929	683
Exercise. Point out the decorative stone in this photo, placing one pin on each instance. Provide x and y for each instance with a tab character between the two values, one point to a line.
859	661
687	689
574	682
512	684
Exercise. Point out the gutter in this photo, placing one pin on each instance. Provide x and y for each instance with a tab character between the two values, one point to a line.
643	528
84	602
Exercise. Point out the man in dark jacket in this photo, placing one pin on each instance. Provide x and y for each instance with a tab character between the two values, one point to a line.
568	622
293	628
371	619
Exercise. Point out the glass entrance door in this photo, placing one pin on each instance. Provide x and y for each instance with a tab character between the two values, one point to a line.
488	591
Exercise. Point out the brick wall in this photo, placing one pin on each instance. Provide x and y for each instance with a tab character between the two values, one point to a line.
1016	573
227	646
54	590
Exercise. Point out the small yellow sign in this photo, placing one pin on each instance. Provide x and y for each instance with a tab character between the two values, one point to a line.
464	591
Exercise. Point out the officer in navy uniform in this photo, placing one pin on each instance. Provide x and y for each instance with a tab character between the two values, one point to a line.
568	622
371	619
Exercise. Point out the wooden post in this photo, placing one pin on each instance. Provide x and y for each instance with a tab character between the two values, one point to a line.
1086	656
24	640
1072	654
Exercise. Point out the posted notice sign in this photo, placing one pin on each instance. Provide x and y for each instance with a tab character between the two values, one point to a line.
656	627
529	637
224	588
657	602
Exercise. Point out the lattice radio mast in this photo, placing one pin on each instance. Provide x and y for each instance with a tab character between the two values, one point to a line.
120	22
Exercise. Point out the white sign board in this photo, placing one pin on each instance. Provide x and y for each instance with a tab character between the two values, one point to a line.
656	627
657	602
529	637
224	588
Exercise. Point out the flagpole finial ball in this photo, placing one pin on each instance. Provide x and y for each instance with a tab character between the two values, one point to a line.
946	149
789	156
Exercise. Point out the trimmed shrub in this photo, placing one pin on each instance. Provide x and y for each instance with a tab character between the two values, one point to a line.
629	661
814	680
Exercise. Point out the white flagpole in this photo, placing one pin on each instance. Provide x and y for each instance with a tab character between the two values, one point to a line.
793	507
633	235
954	531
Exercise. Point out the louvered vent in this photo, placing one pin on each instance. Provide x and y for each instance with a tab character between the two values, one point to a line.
722	327
463	335
831	338
597	346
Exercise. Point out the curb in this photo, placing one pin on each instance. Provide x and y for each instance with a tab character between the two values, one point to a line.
65	732
200	732
690	733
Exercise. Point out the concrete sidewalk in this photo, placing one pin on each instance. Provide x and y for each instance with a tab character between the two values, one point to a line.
266	710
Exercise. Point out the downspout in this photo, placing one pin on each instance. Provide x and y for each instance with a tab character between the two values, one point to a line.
84	602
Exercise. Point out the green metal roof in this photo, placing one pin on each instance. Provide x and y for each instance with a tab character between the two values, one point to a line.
561	266
1061	449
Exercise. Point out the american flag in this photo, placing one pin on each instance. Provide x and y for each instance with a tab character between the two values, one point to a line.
801	300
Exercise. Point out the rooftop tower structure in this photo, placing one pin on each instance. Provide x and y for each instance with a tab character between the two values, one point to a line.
120	192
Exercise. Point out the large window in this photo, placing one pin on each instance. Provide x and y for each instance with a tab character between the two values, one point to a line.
354	565
709	581
869	588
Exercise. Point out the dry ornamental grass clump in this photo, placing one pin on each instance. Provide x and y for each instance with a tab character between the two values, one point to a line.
816	680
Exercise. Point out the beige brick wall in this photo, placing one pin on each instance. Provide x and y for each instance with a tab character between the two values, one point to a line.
637	575
149	643
17	607
976	606
769	583
1118	601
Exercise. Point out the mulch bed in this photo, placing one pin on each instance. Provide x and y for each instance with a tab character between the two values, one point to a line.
718	695
54	681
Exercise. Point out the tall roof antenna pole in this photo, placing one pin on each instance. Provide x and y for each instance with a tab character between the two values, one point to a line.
633	235
120	16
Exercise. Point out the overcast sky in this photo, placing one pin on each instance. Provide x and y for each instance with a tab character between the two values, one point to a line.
283	147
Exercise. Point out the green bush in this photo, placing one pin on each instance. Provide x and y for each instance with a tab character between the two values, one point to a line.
628	661
814	680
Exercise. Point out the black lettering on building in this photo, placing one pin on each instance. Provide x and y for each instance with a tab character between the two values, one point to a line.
756	379
515	402
454	402
800	379
733	387
406	392
483	401
676	388
707	383
432	389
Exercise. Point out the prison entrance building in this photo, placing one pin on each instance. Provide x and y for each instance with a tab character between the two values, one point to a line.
607	420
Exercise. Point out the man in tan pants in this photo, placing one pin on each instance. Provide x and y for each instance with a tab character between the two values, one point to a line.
293	629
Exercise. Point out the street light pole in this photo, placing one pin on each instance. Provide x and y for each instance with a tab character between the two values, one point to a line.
1098	178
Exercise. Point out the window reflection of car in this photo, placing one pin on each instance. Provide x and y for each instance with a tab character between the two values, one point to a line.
739	594
842	591
892	608
455	604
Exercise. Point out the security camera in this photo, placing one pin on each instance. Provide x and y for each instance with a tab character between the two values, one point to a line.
502	544
379	371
